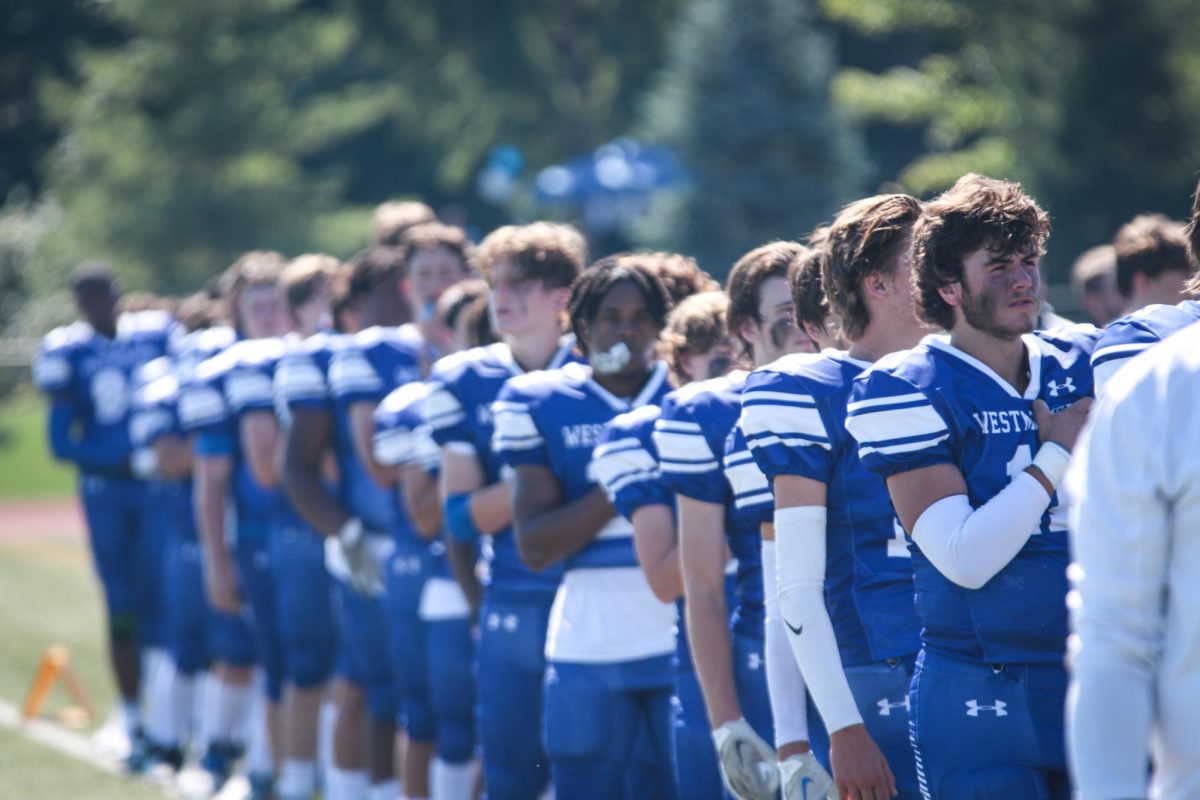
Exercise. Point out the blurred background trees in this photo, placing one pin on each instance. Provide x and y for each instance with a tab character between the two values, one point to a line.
169	137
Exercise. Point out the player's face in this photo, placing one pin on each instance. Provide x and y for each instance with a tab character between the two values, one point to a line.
718	360
623	317
999	293
777	335
432	271
262	312
1104	303
517	302
1166	288
314	315
98	305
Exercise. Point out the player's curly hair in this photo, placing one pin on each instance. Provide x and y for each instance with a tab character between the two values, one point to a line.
547	252
695	326
590	288
681	276
976	212
774	259
867	237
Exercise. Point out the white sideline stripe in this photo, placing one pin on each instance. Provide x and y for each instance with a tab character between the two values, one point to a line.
69	743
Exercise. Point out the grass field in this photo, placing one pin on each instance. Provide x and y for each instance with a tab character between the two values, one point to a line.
48	595
32	772
27	470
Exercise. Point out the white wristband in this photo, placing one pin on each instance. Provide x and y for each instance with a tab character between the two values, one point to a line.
1052	459
351	532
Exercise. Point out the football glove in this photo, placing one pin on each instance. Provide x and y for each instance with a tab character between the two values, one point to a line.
365	571
804	778
747	762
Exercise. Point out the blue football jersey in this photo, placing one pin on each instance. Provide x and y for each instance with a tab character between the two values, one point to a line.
753	498
401	440
554	419
154	412
795	413
1124	338
691	433
231	383
460	416
96	377
935	404
370	364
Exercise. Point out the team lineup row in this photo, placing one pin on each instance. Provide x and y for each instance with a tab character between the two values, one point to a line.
526	524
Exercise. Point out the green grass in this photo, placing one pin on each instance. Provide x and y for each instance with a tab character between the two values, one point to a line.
27	469
50	596
33	772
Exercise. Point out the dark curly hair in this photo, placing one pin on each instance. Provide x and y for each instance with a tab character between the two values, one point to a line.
976	212
590	288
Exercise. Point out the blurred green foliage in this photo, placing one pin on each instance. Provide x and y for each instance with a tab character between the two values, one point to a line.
170	137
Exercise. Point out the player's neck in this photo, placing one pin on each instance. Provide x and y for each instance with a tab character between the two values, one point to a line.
884	335
534	351
1006	357
624	385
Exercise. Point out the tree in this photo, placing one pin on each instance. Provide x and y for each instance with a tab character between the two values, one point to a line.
745	100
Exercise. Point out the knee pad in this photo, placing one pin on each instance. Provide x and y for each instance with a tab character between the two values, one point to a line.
455	740
123	628
310	664
417	719
382	703
993	782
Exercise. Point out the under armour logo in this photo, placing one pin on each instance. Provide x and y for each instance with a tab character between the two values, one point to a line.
1067	386
506	621
973	708
885	706
754	661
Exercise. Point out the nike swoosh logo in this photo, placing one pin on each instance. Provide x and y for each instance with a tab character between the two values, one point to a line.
792	627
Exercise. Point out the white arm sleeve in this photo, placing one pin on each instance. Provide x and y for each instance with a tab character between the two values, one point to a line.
800	542
1121	540
969	546
785	685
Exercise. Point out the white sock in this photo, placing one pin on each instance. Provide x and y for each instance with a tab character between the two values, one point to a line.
384	790
182	698
160	721
297	779
452	781
258	737
226	707
131	716
326	720
344	784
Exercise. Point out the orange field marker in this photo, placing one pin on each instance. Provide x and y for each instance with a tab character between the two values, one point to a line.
55	664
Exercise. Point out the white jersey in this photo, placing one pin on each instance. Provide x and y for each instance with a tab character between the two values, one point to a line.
1136	599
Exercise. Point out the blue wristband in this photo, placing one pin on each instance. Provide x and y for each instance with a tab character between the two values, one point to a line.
459	524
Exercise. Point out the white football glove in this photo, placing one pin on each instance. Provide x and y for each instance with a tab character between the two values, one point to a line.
747	762
365	571
804	778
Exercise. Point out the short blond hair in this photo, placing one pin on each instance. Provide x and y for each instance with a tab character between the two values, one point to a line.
305	276
393	219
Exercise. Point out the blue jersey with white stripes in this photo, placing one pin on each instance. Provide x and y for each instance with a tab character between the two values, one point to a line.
696	420
936	404
95	376
460	416
402	439
795	412
1124	338
554	419
365	370
753	498
223	388
154	411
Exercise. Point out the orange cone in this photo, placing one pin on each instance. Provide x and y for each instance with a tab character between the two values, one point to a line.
55	663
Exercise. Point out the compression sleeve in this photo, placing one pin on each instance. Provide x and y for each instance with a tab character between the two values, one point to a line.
785	684
800	542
